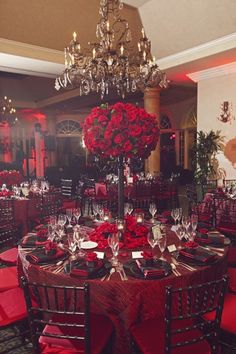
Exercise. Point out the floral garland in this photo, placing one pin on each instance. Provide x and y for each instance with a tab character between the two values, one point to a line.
120	130
10	177
135	235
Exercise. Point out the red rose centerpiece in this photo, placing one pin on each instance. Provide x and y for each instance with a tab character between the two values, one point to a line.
91	259
120	131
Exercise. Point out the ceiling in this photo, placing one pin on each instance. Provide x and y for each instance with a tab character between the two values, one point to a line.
187	36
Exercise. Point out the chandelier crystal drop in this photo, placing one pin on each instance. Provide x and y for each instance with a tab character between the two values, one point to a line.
112	62
7	112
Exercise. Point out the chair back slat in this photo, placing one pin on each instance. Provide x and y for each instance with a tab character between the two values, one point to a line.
184	314
62	312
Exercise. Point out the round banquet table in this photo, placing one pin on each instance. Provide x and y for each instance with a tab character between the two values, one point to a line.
126	302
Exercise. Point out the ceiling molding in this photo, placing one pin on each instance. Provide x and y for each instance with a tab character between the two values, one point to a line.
217	71
204	50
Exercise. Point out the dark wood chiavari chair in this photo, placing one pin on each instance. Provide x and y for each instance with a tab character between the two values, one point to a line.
62	319
184	328
10	232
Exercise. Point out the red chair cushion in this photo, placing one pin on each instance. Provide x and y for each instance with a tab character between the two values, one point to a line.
9	256
100	329
232	278
12	306
149	336
231	257
8	278
228	322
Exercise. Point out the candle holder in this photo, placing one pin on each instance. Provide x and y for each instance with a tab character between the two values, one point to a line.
107	215
120	225
139	217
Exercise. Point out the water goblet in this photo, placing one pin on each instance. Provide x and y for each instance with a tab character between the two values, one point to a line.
162	244
152	210
77	214
152	240
79	238
69	216
180	213
130	208
72	244
113	242
175	214
190	232
194	222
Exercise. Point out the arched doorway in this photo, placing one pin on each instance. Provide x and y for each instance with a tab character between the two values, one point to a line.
71	156
167	146
188	136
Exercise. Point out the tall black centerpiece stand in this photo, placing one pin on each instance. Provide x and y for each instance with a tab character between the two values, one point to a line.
120	187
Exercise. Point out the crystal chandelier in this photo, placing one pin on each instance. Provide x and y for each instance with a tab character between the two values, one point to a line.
112	62
7	112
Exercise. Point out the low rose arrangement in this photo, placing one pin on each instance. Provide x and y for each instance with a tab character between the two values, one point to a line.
10	177
134	235
121	129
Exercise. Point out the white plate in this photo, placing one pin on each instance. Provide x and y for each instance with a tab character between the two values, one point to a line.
88	245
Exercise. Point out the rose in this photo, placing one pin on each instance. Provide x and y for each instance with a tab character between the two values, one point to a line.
147	255
50	246
91	257
120	130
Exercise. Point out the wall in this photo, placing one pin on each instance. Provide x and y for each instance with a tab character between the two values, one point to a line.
211	94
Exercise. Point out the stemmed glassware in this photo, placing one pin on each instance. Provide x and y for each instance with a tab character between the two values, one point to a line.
79	238
128	208
162	243
77	214
175	214
152	240
100	210
69	216
152	210
113	242
72	244
61	223
194	222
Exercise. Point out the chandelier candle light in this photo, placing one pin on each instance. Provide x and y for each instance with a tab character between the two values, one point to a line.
112	62
7	112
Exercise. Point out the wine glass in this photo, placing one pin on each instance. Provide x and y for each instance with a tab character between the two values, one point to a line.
100	212
180	232
95	211
152	210
77	214
72	244
69	216
180	212
152	240
190	232
79	237
113	242
162	244
175	214
194	222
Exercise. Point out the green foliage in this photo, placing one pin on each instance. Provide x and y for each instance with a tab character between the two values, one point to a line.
203	154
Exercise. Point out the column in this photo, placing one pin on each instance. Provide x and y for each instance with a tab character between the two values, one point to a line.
177	147
152	105
186	149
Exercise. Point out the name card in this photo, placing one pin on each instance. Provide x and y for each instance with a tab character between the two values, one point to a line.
171	248
137	254
100	254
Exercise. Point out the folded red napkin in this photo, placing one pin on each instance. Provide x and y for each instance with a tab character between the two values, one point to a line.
82	270
210	238
33	240
198	255
40	256
149	271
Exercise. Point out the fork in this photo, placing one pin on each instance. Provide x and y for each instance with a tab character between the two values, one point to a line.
175	271
188	267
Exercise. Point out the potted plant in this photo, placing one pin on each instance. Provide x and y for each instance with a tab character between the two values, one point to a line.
204	152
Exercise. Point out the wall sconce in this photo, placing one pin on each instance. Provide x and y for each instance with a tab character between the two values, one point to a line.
226	112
